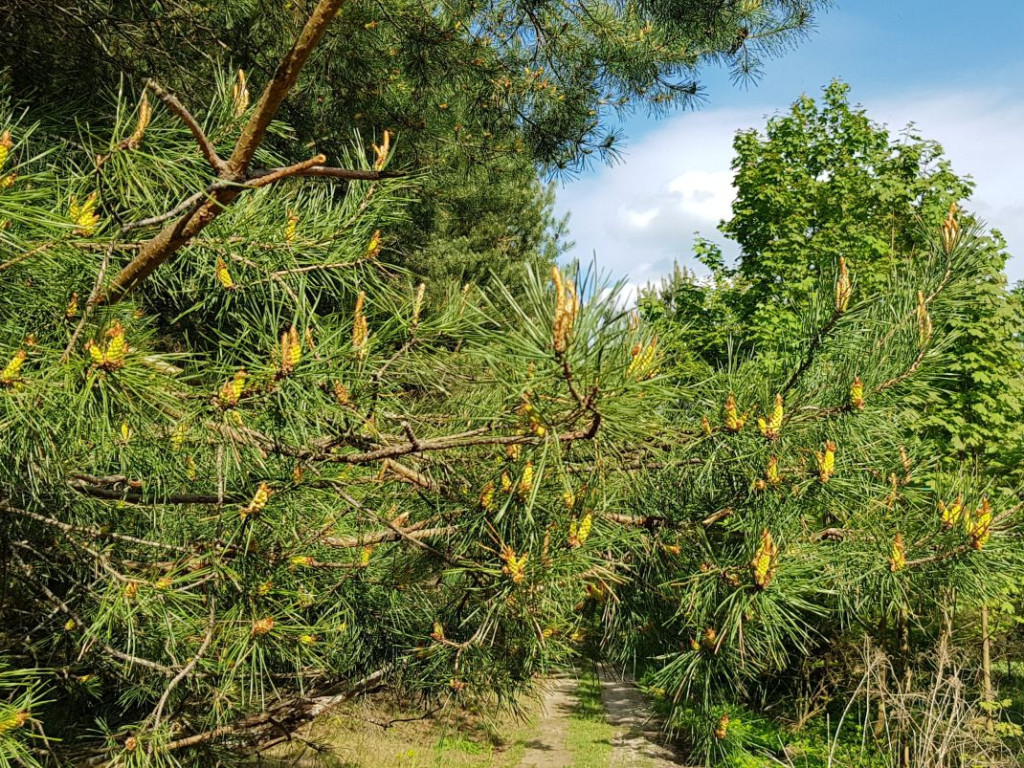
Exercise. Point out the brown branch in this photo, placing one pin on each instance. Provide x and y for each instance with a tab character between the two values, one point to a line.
187	669
812	350
180	208
178	233
133	496
381	537
292	712
66	354
31	252
179	109
324	171
94	533
277	89
283	173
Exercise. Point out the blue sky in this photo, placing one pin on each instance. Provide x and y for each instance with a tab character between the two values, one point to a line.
956	70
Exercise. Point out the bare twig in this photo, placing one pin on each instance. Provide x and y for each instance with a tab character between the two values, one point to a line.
205	145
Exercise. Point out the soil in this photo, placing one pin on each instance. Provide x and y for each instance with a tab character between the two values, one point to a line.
547	749
638	742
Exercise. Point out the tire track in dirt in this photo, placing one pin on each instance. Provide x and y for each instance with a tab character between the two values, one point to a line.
547	749
638	742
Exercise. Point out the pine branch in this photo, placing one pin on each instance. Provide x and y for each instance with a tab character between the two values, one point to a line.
205	145
176	235
382	537
324	171
279	86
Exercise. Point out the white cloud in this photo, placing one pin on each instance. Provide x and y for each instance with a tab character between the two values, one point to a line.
639	216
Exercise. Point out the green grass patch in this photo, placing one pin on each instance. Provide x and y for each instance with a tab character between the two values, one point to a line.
590	736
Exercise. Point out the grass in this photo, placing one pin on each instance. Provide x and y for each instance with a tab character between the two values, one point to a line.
351	739
590	736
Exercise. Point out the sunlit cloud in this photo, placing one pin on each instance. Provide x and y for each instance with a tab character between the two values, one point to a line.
639	217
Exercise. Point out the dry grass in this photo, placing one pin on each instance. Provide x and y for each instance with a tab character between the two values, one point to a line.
365	734
939	723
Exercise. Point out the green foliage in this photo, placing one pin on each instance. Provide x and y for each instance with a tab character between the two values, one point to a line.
823	182
276	473
478	94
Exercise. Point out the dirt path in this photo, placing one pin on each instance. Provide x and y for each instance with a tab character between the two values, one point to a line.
637	743
547	749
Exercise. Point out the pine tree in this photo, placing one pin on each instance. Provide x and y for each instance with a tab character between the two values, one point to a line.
477	94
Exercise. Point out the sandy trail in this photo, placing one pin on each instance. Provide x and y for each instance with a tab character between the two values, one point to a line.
637	743
547	749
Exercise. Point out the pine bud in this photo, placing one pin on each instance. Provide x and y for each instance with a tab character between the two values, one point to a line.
981	524
232	390
10	375
526	481
262	627
373	247
515	567
950	228
258	503
722	728
567	306
240	94
898	559
84	216
117	347
291	227
764	561
360	329
487	498
773	426
642	365
438	632
733	421
224	276
291	350
72	309
951	514
857	394
417	306
585	526
145	113
844	290
5	147
827	462
381	153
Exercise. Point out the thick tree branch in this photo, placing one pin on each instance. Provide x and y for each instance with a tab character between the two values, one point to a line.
346	174
180	232
283	173
277	89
